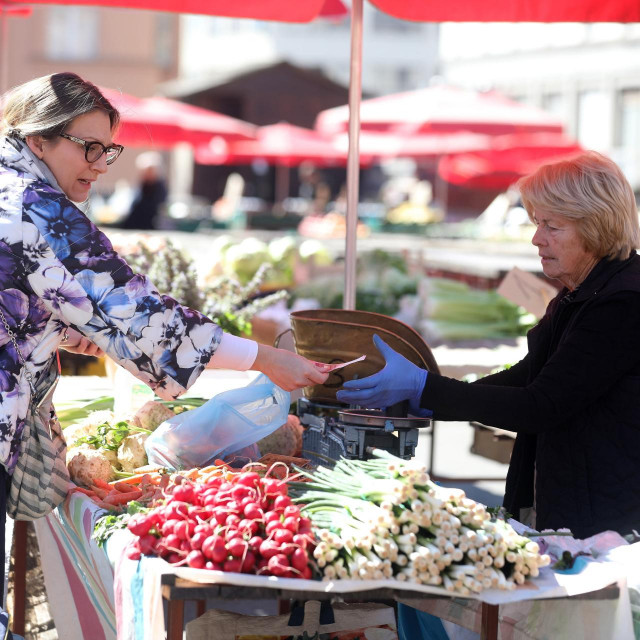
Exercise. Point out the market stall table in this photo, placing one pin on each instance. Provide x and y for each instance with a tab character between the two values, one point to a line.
99	594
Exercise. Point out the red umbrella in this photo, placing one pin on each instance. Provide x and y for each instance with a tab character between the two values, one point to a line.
509	158
381	146
441	110
12	9
280	10
510	11
199	124
282	144
163	123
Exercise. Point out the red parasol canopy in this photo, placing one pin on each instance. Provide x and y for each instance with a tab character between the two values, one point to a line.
282	143
280	10
441	109
380	146
510	11
509	158
163	123
13	9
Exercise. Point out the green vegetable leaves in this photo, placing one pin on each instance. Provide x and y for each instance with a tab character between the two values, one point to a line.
110	436
106	525
78	410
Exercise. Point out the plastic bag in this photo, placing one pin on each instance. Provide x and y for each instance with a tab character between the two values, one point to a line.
230	421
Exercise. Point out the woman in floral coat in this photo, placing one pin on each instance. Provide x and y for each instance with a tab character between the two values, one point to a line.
61	282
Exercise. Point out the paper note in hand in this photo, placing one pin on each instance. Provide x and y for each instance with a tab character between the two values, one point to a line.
339	365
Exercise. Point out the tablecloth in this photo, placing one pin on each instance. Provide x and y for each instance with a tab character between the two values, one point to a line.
77	573
86	598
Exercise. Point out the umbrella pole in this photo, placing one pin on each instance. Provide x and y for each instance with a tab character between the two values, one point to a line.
353	158
4	51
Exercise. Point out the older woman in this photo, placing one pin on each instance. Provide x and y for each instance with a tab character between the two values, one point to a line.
574	400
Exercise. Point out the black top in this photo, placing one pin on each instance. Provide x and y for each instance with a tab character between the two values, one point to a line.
574	402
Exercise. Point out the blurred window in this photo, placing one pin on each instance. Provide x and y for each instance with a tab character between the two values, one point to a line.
403	78
629	130
555	103
385	22
164	51
594	120
72	33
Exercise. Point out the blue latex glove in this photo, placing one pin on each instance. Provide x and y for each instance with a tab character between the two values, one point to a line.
399	380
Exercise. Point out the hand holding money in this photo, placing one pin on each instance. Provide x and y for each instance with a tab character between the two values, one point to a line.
327	368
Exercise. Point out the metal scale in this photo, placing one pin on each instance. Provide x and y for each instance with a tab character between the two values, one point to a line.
332	431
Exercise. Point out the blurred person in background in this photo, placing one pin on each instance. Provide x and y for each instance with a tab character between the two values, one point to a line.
150	194
63	285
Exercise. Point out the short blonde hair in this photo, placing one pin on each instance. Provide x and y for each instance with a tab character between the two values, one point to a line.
591	190
46	106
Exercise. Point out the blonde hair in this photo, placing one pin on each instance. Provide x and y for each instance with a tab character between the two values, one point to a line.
46	106
591	190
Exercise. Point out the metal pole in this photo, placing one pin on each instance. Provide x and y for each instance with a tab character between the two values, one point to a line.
4	51
353	158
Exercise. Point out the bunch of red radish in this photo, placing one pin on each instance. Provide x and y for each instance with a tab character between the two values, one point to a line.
242	523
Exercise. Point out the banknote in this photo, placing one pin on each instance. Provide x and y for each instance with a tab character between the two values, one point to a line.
338	365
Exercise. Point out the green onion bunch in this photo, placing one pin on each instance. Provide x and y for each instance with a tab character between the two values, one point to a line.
384	518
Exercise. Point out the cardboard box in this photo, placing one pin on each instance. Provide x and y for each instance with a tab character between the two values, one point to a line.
492	443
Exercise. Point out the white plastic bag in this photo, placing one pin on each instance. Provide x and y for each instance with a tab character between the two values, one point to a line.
228	422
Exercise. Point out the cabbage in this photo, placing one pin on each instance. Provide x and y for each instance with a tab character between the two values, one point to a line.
283	249
314	248
241	261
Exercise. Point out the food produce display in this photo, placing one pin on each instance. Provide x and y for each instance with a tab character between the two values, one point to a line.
384	518
382	280
364	520
452	310
241	260
287	440
225	521
229	294
103	447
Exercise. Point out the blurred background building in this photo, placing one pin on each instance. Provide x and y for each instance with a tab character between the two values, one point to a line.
124	49
588	74
398	55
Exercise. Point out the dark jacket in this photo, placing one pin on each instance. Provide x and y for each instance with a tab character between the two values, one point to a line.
574	402
146	205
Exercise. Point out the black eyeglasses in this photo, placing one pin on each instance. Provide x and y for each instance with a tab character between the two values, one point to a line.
93	150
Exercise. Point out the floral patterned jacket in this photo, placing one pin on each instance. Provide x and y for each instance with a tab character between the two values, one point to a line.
58	270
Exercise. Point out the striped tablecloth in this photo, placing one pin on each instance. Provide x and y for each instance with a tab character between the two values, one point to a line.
77	573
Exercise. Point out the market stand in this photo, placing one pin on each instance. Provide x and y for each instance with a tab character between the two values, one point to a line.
85	582
89	587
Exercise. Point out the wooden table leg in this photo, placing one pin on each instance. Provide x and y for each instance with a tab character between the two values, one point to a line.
489	628
201	607
175	619
19	576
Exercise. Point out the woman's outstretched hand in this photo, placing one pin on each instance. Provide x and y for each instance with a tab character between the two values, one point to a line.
287	369
399	380
76	343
